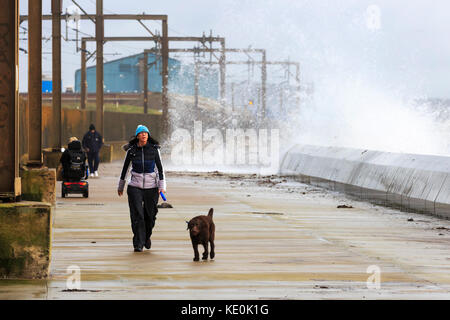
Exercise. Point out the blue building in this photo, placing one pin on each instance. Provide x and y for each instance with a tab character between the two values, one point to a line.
124	76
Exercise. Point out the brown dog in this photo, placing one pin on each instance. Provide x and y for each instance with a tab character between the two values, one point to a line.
202	230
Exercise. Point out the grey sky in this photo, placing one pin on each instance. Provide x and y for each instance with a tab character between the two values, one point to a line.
331	39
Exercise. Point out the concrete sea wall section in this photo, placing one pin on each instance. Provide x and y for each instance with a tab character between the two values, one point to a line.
405	181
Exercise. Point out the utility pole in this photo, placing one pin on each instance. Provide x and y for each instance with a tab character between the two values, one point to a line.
99	34
263	84
297	80
281	99
56	142
10	186
232	96
145	82
165	81
222	64
258	90
35	83
83	84
196	79
143	69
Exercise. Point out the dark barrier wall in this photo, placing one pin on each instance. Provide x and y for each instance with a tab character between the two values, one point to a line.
75	123
135	99
120	126
405	181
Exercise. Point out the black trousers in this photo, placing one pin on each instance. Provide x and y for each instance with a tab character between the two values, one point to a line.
143	209
93	161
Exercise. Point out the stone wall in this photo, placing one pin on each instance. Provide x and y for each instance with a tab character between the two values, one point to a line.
38	184
25	240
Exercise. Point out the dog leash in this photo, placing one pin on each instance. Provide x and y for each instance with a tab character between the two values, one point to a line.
176	211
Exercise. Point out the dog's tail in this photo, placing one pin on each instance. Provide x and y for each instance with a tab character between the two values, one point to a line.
210	213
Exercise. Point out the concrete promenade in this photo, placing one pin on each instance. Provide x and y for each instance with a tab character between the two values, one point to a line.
275	239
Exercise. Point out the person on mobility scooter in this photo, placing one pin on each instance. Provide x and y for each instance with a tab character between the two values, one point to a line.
74	169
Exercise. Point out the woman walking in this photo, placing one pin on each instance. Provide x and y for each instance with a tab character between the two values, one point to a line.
147	180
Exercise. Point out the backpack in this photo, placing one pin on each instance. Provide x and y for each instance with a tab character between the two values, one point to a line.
77	164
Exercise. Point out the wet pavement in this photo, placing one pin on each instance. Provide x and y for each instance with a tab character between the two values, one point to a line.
275	239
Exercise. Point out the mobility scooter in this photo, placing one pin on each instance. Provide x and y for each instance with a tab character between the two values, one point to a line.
75	171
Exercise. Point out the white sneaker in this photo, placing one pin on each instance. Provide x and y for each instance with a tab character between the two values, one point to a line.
96	173
91	175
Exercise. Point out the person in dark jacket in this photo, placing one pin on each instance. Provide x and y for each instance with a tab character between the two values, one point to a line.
92	143
73	149
147	181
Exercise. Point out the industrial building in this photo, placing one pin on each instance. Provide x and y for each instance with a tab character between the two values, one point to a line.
125	75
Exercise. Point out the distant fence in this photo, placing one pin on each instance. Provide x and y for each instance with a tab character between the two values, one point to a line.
136	99
75	123
404	181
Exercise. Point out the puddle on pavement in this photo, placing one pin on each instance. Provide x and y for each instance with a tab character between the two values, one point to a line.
83	290
268	213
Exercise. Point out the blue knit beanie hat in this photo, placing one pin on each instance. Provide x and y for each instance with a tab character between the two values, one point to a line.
141	128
